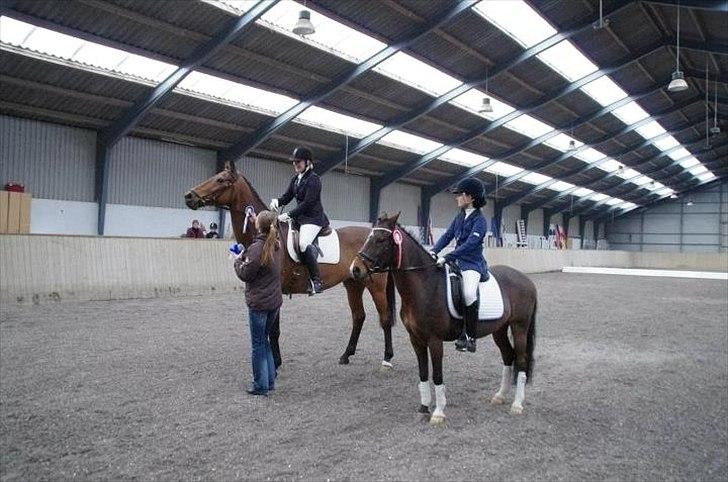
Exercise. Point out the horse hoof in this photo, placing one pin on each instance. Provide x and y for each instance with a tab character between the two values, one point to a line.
516	409
344	360
437	420
497	400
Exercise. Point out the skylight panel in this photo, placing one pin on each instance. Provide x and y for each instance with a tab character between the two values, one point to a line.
336	122
598	197
53	43
561	186
609	166
472	101
463	158
604	91
535	178
147	68
237	7
583	192
641	180
699	169
100	56
648	131
527	125
503	169
689	162
614	201
561	142
708	176
665	143
418	74
14	32
630	113
410	142
657	185
590	155
256	99
565	59
517	19
628	173
664	191
679	154
330	35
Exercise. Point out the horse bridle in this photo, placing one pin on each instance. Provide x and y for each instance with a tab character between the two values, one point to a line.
379	269
211	198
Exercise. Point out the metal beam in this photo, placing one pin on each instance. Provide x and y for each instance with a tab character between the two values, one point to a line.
131	117
261	134
489	126
328	164
711	5
101	184
647	142
675	162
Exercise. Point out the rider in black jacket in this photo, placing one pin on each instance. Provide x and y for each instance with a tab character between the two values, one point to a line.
305	187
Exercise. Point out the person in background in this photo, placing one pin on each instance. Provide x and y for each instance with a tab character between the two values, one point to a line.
260	268
468	229
195	231
212	233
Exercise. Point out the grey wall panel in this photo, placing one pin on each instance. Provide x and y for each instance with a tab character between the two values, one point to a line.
700	223
677	226
52	161
588	230
574	227
689	248
625	247
511	214
401	197
661	238
622	238
146	172
442	209
659	224
535	223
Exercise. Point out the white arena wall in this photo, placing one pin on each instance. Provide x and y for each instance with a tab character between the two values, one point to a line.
42	268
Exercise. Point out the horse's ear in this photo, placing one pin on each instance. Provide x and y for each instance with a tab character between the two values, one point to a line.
395	217
230	166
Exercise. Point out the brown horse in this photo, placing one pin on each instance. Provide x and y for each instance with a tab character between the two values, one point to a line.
229	189
421	284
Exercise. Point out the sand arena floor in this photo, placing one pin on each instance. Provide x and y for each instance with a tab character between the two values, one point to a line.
631	382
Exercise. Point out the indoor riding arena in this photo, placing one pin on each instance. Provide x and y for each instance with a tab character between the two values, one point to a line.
577	147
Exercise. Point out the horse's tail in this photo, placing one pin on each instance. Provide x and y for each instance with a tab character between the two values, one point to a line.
531	343
391	300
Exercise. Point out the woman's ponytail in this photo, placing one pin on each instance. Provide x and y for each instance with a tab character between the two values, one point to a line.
268	225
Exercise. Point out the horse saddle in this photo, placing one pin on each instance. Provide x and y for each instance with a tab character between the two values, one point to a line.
490	298
327	245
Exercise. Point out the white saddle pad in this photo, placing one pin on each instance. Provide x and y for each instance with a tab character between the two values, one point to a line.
491	299
329	245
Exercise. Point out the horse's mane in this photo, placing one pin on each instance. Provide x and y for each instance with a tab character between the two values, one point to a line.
409	235
252	189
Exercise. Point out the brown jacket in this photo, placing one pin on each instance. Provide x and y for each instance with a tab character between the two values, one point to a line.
262	283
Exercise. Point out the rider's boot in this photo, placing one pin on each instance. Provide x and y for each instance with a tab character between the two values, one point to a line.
471	324
310	259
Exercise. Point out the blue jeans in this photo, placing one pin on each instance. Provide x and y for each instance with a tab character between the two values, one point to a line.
264	369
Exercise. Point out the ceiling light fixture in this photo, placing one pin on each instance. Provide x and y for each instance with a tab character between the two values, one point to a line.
690	202
303	25
677	84
486	106
602	22
715	130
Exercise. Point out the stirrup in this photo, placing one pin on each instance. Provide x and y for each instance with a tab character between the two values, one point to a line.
314	287
470	344
461	343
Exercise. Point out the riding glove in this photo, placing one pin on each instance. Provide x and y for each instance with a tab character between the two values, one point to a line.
273	204
284	218
441	261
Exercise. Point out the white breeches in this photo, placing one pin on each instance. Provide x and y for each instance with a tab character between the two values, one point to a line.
306	234
471	281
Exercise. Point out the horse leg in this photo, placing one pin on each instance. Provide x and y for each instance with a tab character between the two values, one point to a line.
424	385
438	416
273	335
507	354
520	339
377	289
354	292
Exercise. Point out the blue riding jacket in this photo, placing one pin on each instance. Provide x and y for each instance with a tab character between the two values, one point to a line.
469	234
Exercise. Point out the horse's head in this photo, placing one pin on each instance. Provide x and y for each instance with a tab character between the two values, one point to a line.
378	253
216	191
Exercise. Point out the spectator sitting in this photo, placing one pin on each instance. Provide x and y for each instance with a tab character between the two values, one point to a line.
195	231
213	231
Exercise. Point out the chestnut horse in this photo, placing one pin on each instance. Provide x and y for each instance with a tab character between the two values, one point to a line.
421	285
229	189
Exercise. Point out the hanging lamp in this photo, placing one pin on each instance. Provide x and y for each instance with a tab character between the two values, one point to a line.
677	84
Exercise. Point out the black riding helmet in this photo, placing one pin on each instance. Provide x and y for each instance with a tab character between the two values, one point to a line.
474	188
302	154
